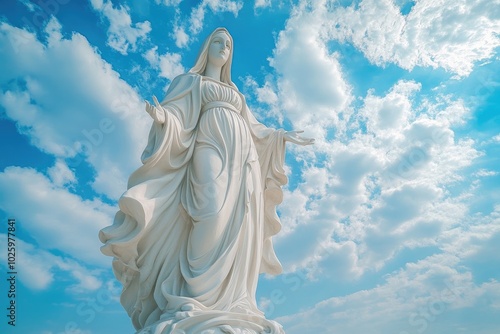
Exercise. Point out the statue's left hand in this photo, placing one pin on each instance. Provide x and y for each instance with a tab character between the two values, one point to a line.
293	137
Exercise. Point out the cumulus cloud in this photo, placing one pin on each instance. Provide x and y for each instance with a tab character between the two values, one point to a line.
377	189
268	107
185	29
57	219
413	300
267	94
380	188
383	179
310	82
169	64
259	4
38	269
32	267
429	294
61	175
453	35
339	261
180	36
123	36
216	6
72	104
169	2
390	114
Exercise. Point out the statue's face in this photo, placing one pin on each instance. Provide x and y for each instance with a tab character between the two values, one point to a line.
219	49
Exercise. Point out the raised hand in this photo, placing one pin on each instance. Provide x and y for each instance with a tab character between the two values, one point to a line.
156	112
293	137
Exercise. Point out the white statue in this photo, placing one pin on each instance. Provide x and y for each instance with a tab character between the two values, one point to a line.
195	225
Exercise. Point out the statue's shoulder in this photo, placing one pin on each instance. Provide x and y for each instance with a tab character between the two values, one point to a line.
189	77
183	82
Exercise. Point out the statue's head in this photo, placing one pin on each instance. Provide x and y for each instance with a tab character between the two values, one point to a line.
219	35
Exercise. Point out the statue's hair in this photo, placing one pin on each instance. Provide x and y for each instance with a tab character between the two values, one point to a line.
201	62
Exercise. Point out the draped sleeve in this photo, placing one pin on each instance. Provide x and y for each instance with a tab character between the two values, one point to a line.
150	232
270	147
150	208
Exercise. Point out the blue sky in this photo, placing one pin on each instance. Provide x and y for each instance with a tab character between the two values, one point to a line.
391	222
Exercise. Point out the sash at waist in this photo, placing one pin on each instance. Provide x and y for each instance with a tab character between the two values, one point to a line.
219	104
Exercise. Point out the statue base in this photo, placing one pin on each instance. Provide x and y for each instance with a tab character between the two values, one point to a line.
212	322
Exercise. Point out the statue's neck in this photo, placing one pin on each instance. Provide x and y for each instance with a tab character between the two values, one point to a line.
213	72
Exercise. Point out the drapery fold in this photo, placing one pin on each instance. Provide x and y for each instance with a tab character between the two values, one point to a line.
149	238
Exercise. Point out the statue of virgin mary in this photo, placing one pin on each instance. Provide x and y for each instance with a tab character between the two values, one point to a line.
194	227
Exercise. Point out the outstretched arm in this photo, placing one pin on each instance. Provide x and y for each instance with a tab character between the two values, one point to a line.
293	137
156	112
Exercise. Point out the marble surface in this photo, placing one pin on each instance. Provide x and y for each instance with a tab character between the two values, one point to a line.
195	226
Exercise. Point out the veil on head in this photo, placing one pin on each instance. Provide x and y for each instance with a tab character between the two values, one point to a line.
201	61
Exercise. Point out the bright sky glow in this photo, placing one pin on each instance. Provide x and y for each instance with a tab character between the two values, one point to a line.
391	221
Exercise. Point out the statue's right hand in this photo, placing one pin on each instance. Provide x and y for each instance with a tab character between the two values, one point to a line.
156	111
149	108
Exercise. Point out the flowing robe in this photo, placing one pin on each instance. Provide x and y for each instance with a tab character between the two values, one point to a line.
156	239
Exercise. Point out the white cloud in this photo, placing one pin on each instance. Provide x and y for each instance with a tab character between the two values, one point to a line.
269	102
408	302
56	219
123	36
169	2
197	18
453	35
380	188
61	175
390	114
34	268
338	262
311	85
294	210
30	5
53	31
267	94
72	104
169	64
403	204
261	4
38	269
484	173
184	30
475	239
427	295
180	36
216	6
